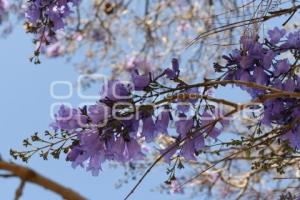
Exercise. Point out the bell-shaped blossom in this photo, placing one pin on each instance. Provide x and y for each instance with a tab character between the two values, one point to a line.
140	82
276	34
149	129
293	137
198	140
261	76
246	62
290	85
174	72
208	123
268	59
90	150
192	146
257	51
162	121
293	40
282	67
175	65
116	90
183	125
188	150
69	119
247	42
133	150
168	153
99	113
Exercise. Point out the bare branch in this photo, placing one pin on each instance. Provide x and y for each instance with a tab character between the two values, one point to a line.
28	175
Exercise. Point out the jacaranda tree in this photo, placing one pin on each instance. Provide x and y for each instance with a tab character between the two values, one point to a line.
167	63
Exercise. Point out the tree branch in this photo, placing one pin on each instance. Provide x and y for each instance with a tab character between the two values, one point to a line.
28	175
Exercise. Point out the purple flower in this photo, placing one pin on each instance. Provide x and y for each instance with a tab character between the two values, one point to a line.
268	59
278	84
260	76
116	90
175	65
170	73
188	150
90	149
48	16
183	106
132	125
149	130
247	42
32	13
95	164
74	153
276	34
209	125
246	62
214	132
140	82
290	85
162	121
257	51
282	66
293	137
293	40
192	145
69	119
114	149
244	75
298	83
133	150
99	113
183	125
125	151
174	72
169	152
272	111
198	140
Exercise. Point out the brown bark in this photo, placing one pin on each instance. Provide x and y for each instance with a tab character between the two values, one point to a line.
29	175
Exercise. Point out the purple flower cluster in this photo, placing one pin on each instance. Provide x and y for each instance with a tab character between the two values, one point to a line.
46	17
262	63
115	127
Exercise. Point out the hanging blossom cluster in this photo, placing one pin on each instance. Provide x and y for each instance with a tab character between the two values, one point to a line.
130	114
273	63
45	17
3	9
115	127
